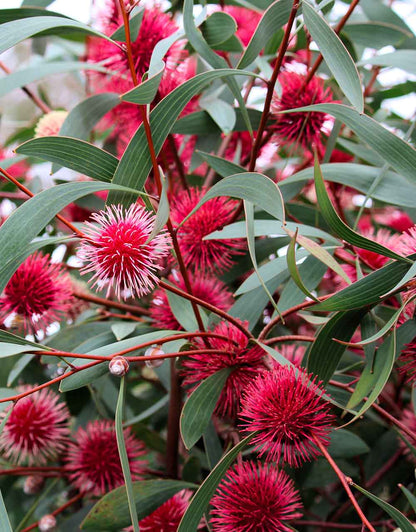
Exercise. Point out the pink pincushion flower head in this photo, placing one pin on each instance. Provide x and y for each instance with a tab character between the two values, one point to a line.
168	516
199	254
118	252
93	461
38	293
209	289
301	129
246	20
37	430
286	407
245	362
254	497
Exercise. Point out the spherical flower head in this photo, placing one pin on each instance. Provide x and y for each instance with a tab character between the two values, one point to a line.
394	218
118	252
254	497
199	254
301	129
207	288
50	124
93	462
408	241
168	516
37	430
245	362
286	407
38	293
386	239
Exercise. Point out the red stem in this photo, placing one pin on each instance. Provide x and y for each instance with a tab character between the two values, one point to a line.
58	511
289	338
345	483
135	309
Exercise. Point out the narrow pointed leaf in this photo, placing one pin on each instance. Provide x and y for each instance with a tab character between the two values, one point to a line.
5	525
400	520
72	153
199	407
340	228
325	353
336	56
146	91
293	269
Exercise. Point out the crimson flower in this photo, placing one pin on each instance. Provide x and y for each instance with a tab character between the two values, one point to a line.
37	429
209	289
168	516
254	497
246	19
303	129
245	362
286	407
38	293
93	462
199	254
118	252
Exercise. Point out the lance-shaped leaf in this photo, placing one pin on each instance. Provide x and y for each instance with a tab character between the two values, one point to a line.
336	56
199	407
394	150
400	519
146	91
72	153
274	18
8	15
404	59
251	186
4	518
293	269
200	500
218	28
325	353
18	30
340	228
111	512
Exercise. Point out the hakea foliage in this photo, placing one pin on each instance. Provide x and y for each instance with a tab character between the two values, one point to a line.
93	284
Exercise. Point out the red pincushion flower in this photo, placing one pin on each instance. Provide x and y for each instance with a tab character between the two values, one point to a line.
303	129
37	429
245	362
407	244
168	516
408	357
199	254
39	293
383	237
254	497
93	461
286	408
292	352
155	26
209	289
118	251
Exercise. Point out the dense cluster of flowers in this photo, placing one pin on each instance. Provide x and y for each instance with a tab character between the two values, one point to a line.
175	269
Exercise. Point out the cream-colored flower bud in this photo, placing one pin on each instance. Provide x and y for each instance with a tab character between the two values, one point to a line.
47	523
151	352
118	366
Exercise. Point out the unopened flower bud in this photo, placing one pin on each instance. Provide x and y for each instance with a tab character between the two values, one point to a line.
33	484
118	366
47	523
151	352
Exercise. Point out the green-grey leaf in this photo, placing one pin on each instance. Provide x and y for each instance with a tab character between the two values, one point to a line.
397	152
200	405
375	34
400	519
336	56
146	91
5	525
404	59
111	511
218	28
325	354
18	30
72	153
275	17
